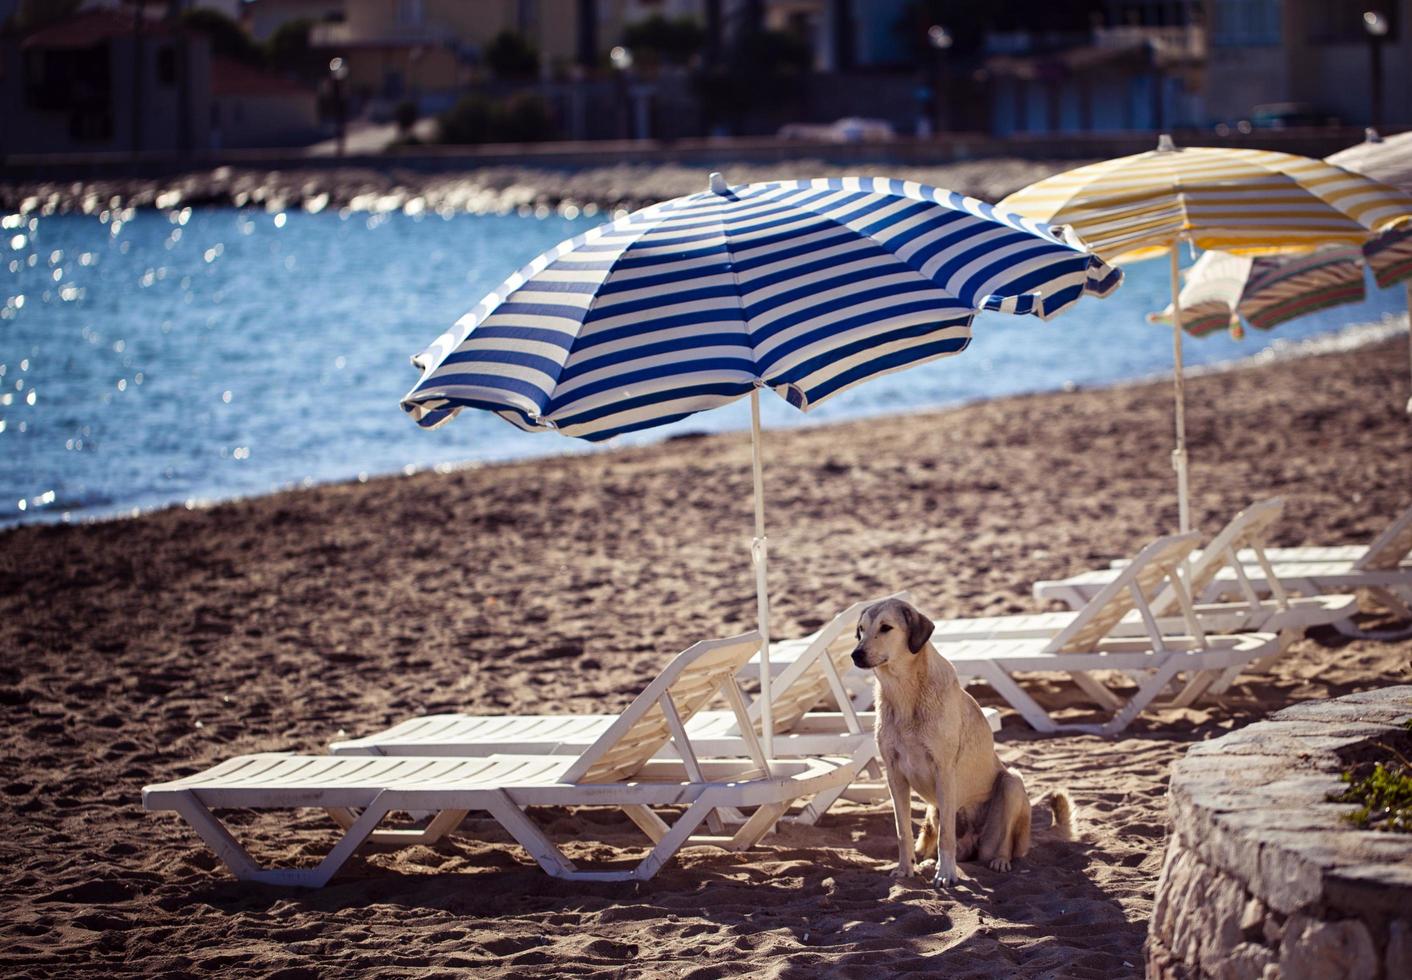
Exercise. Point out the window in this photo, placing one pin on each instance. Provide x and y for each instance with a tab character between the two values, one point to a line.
1245	23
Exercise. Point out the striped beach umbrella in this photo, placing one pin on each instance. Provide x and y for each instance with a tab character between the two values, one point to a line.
1249	202
1226	292
1389	255
805	287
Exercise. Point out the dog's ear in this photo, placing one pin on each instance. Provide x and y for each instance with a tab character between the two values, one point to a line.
919	629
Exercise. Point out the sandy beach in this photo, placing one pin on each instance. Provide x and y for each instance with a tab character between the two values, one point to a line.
139	650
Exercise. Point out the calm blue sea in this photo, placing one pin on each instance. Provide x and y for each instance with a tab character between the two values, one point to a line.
163	357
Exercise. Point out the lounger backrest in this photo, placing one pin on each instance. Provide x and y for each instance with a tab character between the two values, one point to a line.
1248	529
805	684
1135	586
1389	548
689	683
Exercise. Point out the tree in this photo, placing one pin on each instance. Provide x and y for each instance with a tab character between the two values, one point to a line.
288	49
673	42
763	70
30	15
228	39
509	55
522	118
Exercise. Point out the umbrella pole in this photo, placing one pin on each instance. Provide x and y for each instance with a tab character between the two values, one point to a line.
759	551
1408	286
1179	454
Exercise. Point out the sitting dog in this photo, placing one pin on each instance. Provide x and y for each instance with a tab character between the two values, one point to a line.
934	739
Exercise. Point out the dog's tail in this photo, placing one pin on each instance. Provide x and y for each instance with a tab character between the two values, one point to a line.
1062	808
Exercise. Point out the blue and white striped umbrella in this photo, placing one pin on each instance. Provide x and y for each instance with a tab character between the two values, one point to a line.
808	287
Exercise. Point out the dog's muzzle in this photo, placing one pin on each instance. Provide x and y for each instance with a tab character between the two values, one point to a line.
860	657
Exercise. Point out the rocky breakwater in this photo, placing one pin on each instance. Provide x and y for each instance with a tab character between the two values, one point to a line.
1264	876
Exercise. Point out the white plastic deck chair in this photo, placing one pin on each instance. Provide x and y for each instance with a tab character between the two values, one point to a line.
807	681
1383	572
1088	643
618	770
1242	565
1391	548
1279	614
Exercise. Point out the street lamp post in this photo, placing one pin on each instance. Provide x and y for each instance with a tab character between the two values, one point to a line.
1376	24
621	59
338	73
939	40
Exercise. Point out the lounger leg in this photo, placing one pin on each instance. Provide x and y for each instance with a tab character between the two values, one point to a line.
1015	696
864	757
442	823
530	837
244	867
1148	691
1101	696
1196	686
647	821
761	822
552	860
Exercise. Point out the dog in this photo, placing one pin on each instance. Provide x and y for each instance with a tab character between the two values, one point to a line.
934	738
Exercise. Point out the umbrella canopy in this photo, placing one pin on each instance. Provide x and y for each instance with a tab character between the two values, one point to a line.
1225	291
1390	254
806	287
1244	201
1386	159
1249	202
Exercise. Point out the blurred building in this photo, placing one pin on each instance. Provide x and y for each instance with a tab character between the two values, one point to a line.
254	108
1307	61
115	79
103	80
1138	67
263	17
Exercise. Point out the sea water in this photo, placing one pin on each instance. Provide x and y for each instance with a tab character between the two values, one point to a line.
158	357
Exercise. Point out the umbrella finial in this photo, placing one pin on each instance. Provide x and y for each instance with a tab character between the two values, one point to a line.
1165	144
717	183
1371	135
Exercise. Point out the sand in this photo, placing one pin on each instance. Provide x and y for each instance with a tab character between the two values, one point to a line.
139	650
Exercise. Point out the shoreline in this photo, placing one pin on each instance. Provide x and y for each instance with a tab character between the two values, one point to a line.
488	189
145	649
1349	338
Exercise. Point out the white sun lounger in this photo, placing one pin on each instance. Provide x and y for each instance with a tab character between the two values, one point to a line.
1390	549
1089	642
617	770
810	679
1232	594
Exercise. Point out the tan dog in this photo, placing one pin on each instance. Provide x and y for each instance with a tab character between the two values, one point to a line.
934	739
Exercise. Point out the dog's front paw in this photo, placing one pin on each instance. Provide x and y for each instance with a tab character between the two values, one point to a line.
1000	864
945	874
901	871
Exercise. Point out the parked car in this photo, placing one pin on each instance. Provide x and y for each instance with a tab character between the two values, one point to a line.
1289	115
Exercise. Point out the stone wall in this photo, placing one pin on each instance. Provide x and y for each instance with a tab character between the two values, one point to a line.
1263	878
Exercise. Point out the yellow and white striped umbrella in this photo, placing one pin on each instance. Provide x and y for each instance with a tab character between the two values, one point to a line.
1249	202
1244	201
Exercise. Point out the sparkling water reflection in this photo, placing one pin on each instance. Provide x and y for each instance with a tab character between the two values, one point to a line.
151	357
